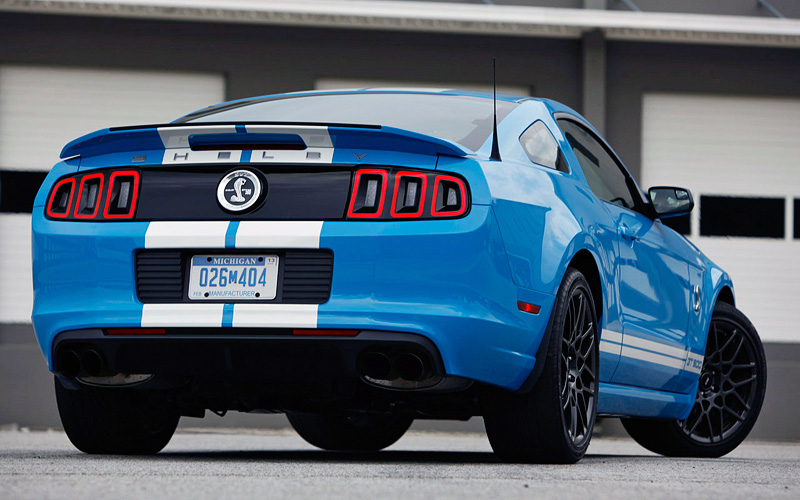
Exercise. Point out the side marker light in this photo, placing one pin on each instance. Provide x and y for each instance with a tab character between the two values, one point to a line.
528	308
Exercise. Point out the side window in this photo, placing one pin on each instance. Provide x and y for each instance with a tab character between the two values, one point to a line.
541	147
605	177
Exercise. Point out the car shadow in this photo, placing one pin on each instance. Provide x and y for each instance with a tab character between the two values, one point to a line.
346	457
433	457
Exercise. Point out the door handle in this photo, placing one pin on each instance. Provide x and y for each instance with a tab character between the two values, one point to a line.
626	232
696	301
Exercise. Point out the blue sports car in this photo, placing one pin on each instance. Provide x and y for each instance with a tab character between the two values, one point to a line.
361	259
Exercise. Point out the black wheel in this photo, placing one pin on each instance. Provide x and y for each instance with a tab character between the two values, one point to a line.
729	396
114	421
554	422
361	432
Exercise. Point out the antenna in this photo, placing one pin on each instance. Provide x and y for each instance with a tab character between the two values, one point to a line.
495	147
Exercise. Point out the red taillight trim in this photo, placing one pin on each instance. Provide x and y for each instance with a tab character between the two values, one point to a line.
385	176
134	197
50	213
80	194
325	333
136	331
397	177
528	308
462	187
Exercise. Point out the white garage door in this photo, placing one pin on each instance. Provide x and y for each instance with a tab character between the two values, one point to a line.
43	108
740	156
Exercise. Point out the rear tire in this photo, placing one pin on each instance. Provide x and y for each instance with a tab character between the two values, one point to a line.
553	423
114	421
362	432
729	398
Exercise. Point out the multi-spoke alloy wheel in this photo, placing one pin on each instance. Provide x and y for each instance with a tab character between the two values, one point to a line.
729	395
553	422
578	379
728	385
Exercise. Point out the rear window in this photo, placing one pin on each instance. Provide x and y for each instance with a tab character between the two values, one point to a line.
461	119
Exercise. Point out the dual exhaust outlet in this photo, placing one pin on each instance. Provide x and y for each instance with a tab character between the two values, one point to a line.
89	363
398	370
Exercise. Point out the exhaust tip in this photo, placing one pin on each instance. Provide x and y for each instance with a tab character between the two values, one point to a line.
68	363
376	365
409	367
92	363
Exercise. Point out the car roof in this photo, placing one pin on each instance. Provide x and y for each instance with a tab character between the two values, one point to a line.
395	90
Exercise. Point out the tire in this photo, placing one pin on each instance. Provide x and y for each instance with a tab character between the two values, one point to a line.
114	421
553	423
363	432
733	381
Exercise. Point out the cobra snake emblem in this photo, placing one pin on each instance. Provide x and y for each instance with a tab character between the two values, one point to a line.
237	188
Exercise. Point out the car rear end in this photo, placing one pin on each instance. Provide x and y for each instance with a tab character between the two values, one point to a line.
356	268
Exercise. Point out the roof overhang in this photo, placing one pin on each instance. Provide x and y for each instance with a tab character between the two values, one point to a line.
477	19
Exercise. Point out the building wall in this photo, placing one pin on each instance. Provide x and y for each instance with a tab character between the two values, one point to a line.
260	60
789	8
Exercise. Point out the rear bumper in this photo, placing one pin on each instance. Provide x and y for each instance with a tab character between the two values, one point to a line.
447	281
216	356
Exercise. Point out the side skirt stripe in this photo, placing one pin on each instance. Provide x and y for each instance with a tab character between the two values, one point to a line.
628	346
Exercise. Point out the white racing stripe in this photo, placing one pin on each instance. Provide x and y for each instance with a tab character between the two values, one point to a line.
610	348
308	155
649	345
611	336
651	357
178	137
319	146
180	315
278	234
628	346
275	315
186	234
313	137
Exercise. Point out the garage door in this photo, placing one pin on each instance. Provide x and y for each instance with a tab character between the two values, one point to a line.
740	156
41	109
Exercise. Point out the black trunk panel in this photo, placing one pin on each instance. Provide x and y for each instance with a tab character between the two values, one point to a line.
302	193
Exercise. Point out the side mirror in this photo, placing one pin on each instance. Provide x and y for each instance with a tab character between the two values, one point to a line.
671	201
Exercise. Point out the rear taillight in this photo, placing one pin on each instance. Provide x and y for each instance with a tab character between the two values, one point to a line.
123	189
369	193
95	196
449	195
89	195
61	198
403	194
409	194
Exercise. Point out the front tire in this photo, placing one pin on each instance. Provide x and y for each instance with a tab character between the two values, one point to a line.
729	396
554	422
361	432
114	421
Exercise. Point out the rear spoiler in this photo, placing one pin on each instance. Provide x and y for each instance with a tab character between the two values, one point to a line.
283	137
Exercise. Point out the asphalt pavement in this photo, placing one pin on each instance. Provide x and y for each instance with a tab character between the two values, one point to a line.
200	464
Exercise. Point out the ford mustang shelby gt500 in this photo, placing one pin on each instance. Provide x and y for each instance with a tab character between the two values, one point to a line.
359	259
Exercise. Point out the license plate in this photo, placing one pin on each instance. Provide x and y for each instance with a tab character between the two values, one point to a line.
233	277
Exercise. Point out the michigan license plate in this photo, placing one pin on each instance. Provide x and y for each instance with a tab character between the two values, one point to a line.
233	277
